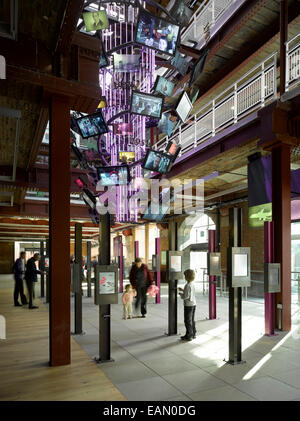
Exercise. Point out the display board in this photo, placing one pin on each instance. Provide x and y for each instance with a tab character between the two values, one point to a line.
156	262
214	264
272	277
174	265
107	277
46	262
238	267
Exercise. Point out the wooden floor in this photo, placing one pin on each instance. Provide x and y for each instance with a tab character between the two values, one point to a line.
25	373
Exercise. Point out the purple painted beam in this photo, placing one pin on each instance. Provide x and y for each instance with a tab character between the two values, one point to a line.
158	277
212	279
121	266
269	297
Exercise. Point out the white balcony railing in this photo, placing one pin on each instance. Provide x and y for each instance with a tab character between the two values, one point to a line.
248	93
292	74
204	19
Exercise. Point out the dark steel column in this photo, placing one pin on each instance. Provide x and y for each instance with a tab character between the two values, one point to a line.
212	279
283	39
172	328
59	231
78	292
158	273
42	268
269	296
281	211
235	294
88	264
104	310
47	273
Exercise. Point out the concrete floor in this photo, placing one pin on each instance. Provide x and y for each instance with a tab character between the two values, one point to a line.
152	366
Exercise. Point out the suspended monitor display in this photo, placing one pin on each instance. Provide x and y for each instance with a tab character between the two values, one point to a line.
146	104
122	129
165	125
198	68
180	63
125	157
92	125
181	13
89	198
103	57
183	107
157	161
113	176
126	62
173	149
158	33
155	212
95	21
163	86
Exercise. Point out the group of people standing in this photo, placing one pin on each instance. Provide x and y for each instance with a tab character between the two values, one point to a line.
28	271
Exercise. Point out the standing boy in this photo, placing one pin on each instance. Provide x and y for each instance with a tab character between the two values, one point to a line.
189	299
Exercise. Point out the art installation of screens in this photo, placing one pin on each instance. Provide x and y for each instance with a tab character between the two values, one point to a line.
163	86
126	62
180	63
113	176
126	157
107	282
122	129
175	263
157	161
87	197
95	21
165	125
92	125
240	266
157	33
181	13
145	104
198	68
183	107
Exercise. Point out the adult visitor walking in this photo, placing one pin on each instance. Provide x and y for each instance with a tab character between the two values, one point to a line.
19	271
31	277
140	279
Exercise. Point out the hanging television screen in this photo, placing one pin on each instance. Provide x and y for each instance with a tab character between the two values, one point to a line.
181	13
157	33
173	149
183	106
163	86
165	125
89	198
95	21
92	125
104	61
124	63
180	63
146	104
198	68
122	129
126	157
113	176
157	161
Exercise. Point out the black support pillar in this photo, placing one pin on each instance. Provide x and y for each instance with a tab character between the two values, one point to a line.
89	269
78	288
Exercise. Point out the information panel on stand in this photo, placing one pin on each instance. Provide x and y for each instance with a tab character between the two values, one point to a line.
156	262
238	267
174	265
214	264
272	277
107	277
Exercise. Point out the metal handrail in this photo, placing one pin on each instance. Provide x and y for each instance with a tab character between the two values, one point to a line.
246	93
292	73
205	17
